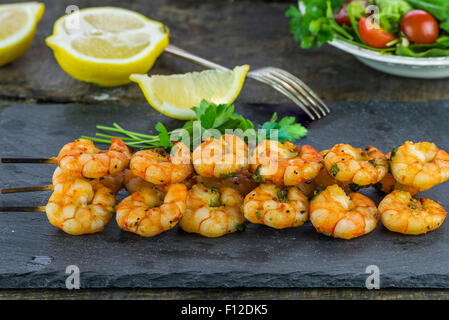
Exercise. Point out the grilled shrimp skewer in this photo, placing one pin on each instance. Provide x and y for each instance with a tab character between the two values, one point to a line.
420	165
404	214
353	166
159	167
113	182
82	159
149	212
336	214
76	206
388	183
221	158
212	212
80	206
285	164
276	206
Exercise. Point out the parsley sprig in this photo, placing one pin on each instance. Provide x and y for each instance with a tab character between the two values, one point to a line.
135	139
219	117
209	116
287	128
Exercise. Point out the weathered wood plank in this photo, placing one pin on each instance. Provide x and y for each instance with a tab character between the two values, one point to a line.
238	294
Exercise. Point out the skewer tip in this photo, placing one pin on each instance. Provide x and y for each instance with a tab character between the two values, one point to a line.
26	189
51	160
23	209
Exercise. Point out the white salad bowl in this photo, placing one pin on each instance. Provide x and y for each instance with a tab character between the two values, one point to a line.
424	68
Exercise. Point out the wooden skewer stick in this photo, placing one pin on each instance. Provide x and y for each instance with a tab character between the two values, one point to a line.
23	209
27	189
51	160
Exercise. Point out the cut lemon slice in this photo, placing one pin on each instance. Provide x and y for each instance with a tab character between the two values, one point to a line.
105	45
17	28
176	95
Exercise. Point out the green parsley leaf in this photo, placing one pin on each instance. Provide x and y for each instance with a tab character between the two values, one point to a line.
334	170
241	227
256	176
287	128
258	214
227	175
164	137
393	153
282	195
220	117
215	204
376	164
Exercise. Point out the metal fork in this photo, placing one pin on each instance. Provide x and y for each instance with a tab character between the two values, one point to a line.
279	79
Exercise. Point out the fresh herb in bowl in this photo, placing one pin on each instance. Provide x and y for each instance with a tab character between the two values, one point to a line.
413	28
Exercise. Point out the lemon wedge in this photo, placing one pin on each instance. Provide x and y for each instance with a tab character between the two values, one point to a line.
176	95
105	45
17	28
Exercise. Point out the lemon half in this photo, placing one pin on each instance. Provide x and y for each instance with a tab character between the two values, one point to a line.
176	95
17	28
105	45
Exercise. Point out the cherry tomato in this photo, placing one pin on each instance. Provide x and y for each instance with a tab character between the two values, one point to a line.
374	35
420	27
342	17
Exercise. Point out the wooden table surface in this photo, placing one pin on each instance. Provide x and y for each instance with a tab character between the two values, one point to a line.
230	33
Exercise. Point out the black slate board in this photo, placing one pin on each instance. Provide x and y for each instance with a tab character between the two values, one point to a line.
34	254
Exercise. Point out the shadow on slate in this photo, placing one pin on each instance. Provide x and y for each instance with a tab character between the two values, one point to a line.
34	254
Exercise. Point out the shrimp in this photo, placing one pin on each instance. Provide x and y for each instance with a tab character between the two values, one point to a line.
134	183
113	182
324	179
148	212
159	167
276	206
80	206
336	214
421	165
82	159
389	183
285	163
221	158
212	212
351	165
241	182
404	214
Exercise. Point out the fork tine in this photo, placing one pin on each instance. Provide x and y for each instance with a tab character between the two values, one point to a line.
294	92
282	90
267	74
305	93
300	83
